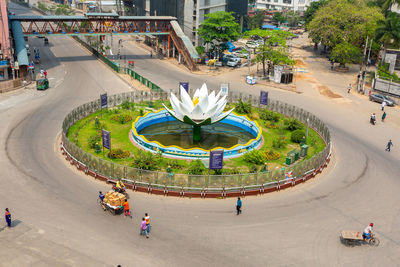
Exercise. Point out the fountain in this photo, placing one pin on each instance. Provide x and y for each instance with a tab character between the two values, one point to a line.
195	126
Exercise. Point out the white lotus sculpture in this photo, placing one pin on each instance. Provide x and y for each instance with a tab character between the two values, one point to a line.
203	109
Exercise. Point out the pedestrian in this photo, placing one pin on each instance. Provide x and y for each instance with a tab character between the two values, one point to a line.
45	74
126	208
143	228
238	206
389	145
41	73
34	50
147	218
151	54
383	105
8	217
349	88
383	116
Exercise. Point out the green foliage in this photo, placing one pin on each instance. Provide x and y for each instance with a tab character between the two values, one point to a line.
346	53
388	31
270	116
141	112
196	167
256	21
293	18
145	160
297	136
64	10
278	18
118	154
255	157
243	107
122	118
383	72
218	28
387	4
293	124
309	13
343	21
253	169
200	50
175	164
279	142
272	155
93	140
42	6
128	105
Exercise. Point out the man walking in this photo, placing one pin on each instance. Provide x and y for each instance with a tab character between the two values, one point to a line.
126	208
383	105
389	145
8	217
143	228
349	88
45	74
147	218
238	206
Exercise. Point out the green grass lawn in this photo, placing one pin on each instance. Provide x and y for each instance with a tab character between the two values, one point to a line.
85	129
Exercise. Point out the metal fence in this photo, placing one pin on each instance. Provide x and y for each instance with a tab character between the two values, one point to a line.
194	183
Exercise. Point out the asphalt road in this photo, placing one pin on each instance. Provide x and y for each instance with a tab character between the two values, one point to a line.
57	221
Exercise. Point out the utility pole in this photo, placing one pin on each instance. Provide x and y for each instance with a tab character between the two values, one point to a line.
361	64
366	65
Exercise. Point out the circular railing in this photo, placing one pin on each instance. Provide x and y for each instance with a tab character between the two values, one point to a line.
196	185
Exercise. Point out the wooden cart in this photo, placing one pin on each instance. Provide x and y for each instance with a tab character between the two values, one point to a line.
351	237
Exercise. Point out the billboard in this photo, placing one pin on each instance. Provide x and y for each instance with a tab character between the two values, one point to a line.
106	139
103	100
216	159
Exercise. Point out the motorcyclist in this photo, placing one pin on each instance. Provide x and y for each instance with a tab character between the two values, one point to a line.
373	119
368	232
120	187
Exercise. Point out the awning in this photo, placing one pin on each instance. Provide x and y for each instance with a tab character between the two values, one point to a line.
20	49
269	27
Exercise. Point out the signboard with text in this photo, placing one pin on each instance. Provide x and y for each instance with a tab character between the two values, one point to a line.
104	101
106	139
263	98
216	159
224	89
185	85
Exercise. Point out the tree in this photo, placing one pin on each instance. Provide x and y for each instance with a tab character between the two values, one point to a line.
278	18
388	32
346	53
312	9
273	48
292	18
256	21
218	28
343	21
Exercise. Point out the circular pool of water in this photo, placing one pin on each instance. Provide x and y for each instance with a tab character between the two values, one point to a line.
160	132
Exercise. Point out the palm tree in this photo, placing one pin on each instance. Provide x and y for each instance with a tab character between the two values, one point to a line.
388	32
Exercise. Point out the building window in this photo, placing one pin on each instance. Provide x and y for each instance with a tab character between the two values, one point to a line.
206	2
206	11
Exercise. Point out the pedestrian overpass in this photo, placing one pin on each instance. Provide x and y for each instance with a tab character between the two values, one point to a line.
100	24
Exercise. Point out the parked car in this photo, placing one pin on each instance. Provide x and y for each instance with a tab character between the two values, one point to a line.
381	98
252	44
231	60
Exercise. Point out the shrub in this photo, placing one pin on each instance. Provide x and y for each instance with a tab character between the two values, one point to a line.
297	136
268	115
293	124
141	112
253	169
118	154
128	105
279	142
271	125
255	157
93	140
196	167
243	107
175	164
145	160
272	155
123	118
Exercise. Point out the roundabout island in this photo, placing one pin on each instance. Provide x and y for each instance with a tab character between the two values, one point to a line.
167	150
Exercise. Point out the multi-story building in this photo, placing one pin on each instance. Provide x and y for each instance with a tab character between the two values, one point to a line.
190	13
5	50
296	5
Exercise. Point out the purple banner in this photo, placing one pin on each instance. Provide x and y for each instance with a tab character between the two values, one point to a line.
106	138
216	159
103	99
263	98
184	85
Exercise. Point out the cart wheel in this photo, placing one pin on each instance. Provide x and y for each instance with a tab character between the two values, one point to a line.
374	242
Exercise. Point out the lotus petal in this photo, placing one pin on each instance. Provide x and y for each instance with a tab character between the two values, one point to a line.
186	99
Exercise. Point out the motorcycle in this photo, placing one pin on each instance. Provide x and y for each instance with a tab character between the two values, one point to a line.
121	190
